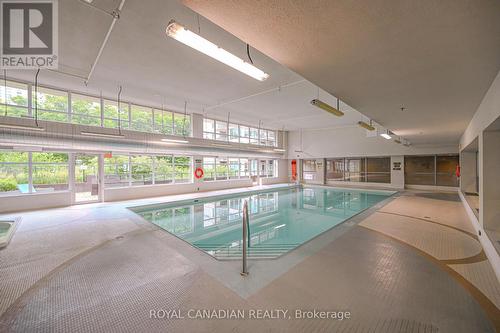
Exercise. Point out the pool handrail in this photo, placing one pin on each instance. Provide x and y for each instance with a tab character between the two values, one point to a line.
246	238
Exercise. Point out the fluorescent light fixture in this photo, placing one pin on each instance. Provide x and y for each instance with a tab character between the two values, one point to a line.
366	126
386	135
103	135
174	141
189	38
327	107
280	150
280	226
22	127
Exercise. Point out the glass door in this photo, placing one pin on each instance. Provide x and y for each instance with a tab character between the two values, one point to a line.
86	178
254	171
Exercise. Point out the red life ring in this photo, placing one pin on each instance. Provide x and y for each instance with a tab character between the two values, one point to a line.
198	173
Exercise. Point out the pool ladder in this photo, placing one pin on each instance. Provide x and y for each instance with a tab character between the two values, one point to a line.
246	238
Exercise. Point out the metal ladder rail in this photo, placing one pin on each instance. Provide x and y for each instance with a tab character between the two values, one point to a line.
246	239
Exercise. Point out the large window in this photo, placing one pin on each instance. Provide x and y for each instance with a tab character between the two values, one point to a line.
420	170
23	172
355	170
224	131
14	173
116	171
182	169
85	110
446	167
14	99
182	124
141	118
359	169
335	169
209	168
123	171
223	168
112	118
54	105
164	169
50	172
244	168
378	170
164	122
209	129
221	130
234	168
309	169
141	170
431	170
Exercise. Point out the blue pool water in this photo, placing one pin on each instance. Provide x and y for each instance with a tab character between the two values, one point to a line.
280	220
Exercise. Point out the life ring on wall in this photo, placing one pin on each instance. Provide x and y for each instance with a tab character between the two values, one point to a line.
294	170
198	173
457	171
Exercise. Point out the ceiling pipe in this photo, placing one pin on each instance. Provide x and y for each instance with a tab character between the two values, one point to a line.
116	17
90	4
254	95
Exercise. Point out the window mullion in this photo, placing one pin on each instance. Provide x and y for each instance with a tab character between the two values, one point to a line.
101	103
153	171
30	172
30	100
69	111
130	171
174	172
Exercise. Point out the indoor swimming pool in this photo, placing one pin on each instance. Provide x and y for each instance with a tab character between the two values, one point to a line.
280	219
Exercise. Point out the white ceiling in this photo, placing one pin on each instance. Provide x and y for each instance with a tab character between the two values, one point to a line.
149	65
436	58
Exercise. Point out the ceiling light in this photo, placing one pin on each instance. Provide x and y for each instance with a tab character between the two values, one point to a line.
174	141
327	107
22	127
189	38
386	135
366	126
104	135
279	149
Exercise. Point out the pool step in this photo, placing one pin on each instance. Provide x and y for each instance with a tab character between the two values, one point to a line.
222	252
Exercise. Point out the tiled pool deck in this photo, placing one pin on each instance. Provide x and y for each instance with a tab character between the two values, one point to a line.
409	264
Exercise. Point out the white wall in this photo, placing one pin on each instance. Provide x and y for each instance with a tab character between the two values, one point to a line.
352	142
148	191
34	201
487	112
398	176
468	167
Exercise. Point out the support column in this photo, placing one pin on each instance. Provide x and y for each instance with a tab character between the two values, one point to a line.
197	125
